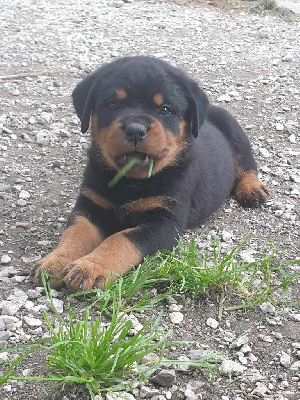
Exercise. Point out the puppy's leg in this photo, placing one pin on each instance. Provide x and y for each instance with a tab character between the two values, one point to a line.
78	240
249	191
121	251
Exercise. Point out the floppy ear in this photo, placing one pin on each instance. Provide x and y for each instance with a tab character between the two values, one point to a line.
83	100
198	104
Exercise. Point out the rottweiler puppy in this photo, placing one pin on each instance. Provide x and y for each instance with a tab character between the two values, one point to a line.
143	108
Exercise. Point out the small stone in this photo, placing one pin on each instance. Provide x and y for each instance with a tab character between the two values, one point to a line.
278	335
2	325
294	317
229	367
279	126
175	307
14	302
287	58
226	236
27	372
32	321
242	359
292	138
224	98
5	259
247	255
260	391
239	342
295	366
33	294
252	357
119	396
190	395
198	354
58	304
268	308
285	359
24	195
4	336
165	378
146	392
267	339
264	152
21	202
4	356
212	323
42	138
149	358
246	349
176	317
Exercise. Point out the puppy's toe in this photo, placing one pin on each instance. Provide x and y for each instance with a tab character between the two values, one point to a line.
52	267
250	192
84	274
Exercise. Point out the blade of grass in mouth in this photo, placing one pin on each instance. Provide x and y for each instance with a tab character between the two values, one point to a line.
127	168
150	167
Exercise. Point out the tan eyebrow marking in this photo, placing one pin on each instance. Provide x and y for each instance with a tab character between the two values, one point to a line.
121	94
158	99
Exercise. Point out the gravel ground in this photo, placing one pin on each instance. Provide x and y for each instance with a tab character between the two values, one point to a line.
247	63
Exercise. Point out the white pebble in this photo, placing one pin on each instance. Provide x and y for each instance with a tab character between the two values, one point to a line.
264	152
212	323
32	321
176	317
285	359
5	259
24	195
229	367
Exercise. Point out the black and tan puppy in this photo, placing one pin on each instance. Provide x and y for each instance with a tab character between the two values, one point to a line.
143	107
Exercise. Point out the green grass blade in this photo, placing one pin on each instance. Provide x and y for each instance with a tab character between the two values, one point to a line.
123	171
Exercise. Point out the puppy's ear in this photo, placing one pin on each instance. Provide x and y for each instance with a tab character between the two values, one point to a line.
83	100
198	104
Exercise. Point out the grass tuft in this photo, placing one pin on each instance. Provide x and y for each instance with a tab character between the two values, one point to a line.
96	346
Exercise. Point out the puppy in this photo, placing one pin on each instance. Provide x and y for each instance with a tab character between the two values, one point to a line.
144	109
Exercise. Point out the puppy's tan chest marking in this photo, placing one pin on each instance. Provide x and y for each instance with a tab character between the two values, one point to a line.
97	199
137	206
145	204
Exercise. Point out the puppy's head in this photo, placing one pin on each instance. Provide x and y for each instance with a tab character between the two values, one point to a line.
143	108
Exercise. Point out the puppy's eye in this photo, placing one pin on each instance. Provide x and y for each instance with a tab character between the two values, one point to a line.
113	105
165	110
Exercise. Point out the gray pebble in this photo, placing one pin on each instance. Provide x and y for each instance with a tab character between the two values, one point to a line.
165	377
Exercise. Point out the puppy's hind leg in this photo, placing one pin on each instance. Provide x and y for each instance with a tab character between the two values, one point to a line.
249	191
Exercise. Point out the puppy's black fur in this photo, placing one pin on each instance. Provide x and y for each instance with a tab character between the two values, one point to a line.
144	108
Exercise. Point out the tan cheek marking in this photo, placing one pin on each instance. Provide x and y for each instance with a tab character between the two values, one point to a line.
121	94
158	99
95	198
110	140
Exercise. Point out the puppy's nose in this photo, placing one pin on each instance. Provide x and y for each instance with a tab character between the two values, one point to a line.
135	133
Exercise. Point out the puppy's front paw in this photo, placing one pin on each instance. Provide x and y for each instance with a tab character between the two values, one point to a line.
85	273
53	265
250	192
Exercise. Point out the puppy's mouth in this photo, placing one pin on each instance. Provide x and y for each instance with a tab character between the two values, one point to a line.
142	158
